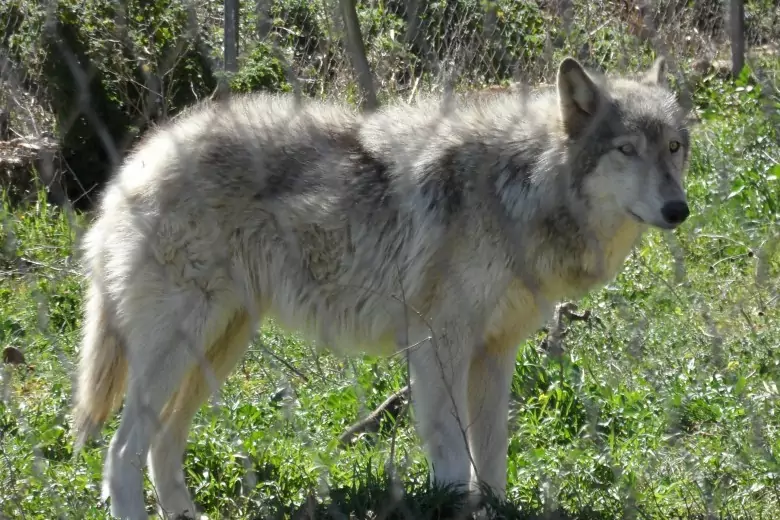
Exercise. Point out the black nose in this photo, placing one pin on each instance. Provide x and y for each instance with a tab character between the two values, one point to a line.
675	212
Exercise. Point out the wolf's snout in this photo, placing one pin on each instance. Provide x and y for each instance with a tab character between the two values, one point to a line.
675	212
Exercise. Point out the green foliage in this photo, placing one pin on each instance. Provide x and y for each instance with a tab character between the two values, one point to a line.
261	70
754	174
108	70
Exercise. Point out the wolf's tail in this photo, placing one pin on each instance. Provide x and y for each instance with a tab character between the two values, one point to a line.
102	364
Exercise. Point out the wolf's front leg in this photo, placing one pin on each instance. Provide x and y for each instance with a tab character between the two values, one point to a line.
439	378
489	384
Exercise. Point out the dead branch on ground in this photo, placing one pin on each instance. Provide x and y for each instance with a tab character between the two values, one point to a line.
397	402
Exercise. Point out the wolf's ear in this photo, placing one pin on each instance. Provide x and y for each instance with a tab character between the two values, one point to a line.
578	96
657	73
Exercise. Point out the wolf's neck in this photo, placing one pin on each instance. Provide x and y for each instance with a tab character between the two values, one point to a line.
555	237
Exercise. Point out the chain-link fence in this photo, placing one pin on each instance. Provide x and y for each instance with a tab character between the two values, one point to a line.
657	401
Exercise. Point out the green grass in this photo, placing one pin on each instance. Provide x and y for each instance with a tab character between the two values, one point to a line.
666	406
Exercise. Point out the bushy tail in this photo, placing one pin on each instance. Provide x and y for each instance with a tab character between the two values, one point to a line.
102	367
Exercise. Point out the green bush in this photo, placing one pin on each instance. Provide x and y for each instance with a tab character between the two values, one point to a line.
108	71
261	70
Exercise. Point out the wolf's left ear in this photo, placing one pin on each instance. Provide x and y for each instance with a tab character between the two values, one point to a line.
578	96
657	73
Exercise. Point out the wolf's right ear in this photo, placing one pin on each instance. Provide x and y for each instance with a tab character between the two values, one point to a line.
578	97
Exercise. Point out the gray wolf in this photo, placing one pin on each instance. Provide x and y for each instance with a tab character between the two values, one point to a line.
443	230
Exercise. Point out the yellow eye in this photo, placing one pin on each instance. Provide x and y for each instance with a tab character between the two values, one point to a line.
674	146
628	149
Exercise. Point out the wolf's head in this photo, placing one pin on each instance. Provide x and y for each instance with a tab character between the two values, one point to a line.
628	139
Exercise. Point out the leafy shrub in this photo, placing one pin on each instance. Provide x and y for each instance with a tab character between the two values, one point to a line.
261	70
108	71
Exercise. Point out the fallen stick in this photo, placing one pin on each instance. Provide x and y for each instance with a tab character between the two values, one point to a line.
392	405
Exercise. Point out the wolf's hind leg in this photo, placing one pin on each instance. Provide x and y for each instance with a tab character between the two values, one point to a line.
167	451
166	330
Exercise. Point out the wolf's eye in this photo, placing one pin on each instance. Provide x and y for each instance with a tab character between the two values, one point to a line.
628	149
674	146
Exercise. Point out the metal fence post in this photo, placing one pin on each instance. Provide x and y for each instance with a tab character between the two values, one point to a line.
231	35
737	30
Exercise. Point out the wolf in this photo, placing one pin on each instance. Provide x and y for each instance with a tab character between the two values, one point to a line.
442	229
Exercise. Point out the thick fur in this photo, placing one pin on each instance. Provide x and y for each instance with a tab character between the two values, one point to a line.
449	230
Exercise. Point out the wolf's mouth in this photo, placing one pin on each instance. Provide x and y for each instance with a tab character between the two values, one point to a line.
660	225
637	217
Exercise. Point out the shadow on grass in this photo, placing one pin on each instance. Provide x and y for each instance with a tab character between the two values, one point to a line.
380	498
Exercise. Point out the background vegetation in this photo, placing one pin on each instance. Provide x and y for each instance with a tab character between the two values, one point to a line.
663	405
